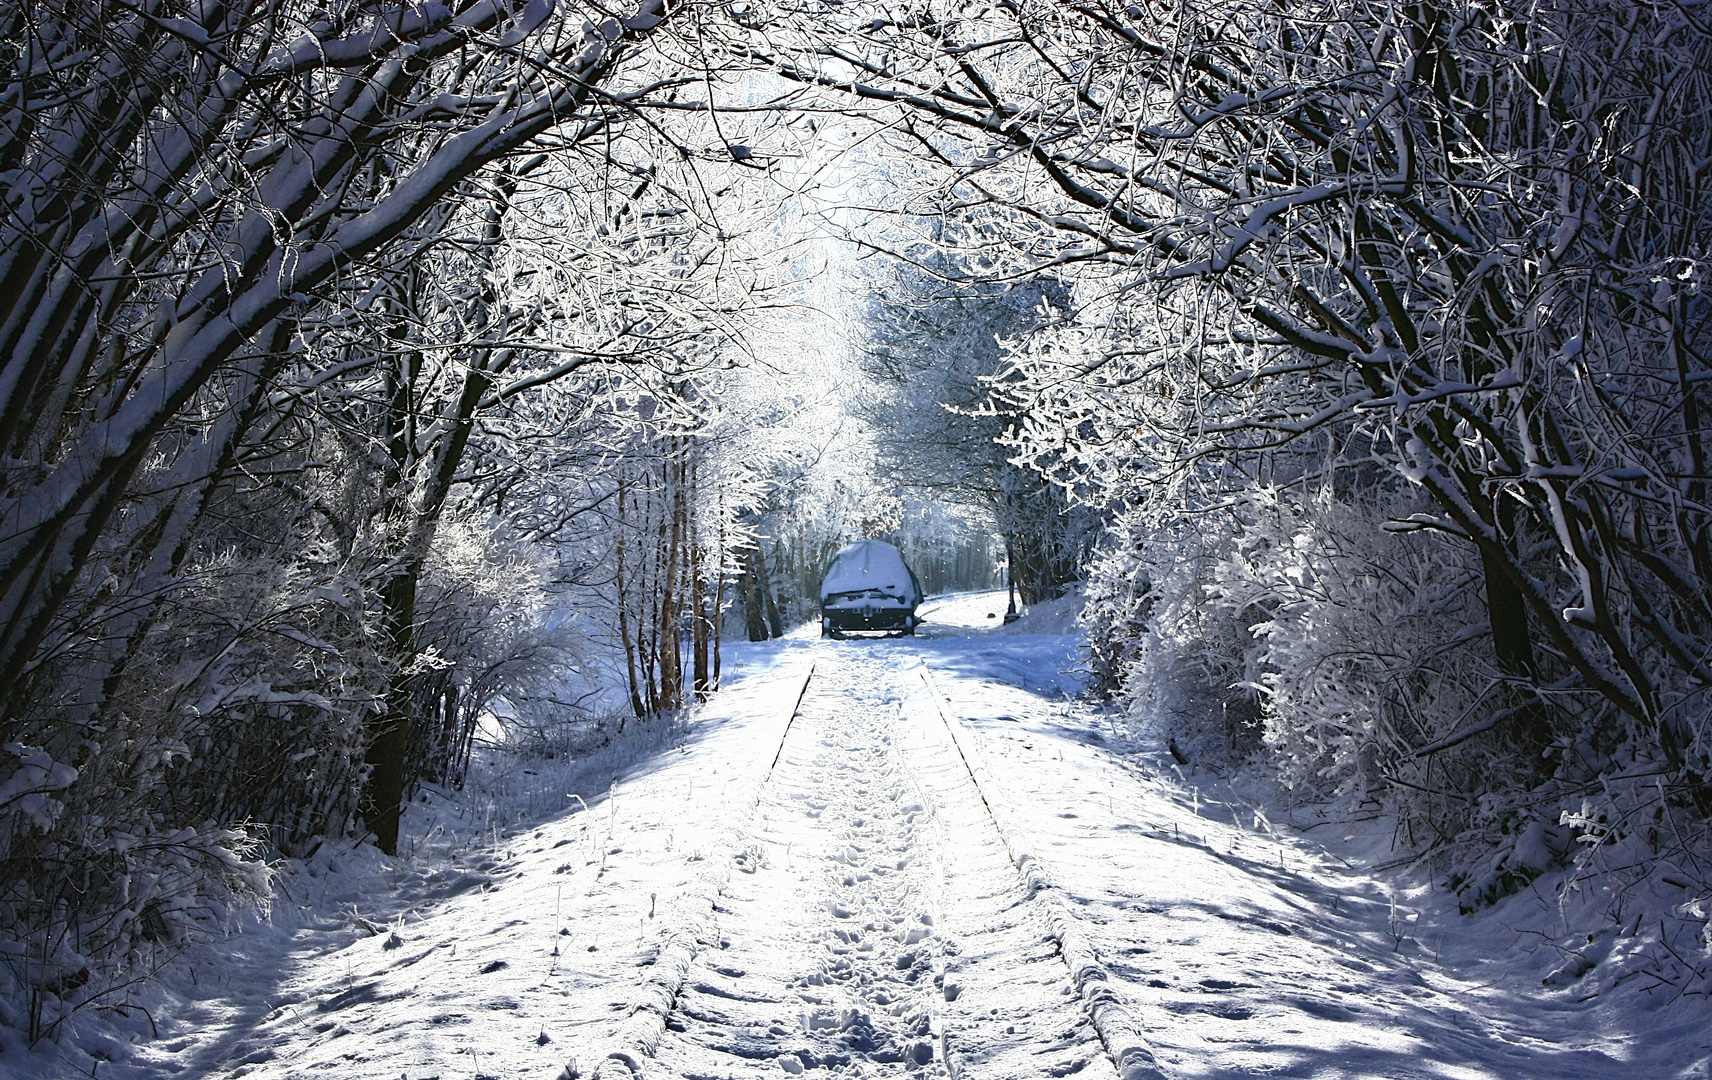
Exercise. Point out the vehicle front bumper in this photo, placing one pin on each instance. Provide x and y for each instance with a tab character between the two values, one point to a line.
867	618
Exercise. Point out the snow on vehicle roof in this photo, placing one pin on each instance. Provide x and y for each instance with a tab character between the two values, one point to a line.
869	564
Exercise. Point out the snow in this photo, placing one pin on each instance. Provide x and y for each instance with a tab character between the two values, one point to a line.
36	776
870	566
910	856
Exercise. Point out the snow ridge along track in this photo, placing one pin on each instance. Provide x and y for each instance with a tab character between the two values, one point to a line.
1119	1033
690	929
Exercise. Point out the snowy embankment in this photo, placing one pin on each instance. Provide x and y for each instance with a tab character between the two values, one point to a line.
925	858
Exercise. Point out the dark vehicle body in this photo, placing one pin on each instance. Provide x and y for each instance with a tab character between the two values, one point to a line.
868	586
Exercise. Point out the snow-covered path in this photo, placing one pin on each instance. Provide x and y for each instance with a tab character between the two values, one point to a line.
878	921
825	953
871	858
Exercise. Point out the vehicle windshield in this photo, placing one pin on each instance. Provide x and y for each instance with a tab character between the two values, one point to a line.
869	566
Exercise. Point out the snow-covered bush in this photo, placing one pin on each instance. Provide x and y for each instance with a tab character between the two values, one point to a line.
121	905
1367	642
1303	626
143	809
1159	644
502	640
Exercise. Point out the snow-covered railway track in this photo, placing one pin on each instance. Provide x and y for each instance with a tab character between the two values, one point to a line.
1119	1033
691	927
873	916
824	955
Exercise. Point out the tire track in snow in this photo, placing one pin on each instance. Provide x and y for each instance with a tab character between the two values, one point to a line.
691	928
827	945
1009	1011
1118	1031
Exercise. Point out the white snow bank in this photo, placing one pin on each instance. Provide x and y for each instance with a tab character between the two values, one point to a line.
985	611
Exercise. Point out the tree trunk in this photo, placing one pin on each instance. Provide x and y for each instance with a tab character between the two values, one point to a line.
698	618
754	608
1513	645
648	619
774	623
716	616
637	708
389	734
671	658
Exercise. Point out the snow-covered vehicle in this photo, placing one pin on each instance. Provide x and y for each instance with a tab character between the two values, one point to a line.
868	586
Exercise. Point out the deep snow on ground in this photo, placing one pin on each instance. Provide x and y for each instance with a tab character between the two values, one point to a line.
941	864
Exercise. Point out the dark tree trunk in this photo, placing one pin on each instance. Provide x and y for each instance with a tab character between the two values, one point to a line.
389	735
637	706
1513	646
754	608
671	602
698	611
714	617
774	623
